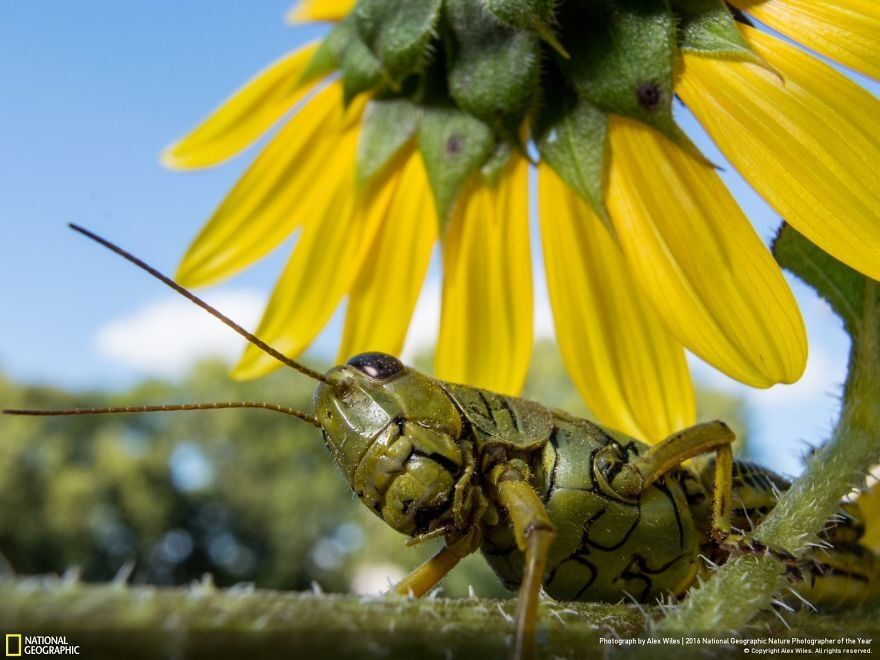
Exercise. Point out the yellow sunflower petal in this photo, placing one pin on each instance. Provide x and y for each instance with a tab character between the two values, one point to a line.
809	145
697	257
319	10
321	270
245	116
385	294
292	180
847	31
626	365
486	323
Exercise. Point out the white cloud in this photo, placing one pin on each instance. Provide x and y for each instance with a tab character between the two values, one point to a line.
819	380
165	338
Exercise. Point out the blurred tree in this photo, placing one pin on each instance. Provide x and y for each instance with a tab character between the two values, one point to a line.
242	495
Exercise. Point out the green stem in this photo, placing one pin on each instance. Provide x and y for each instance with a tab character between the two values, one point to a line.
114	620
746	585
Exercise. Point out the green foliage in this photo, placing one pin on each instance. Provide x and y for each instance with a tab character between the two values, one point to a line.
181	494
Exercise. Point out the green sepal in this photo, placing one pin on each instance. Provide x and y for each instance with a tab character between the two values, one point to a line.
497	160
388	124
841	286
361	70
623	59
534	15
571	135
707	27
328	57
492	69
397	31
453	144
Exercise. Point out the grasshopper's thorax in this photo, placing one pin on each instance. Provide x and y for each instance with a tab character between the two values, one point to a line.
396	437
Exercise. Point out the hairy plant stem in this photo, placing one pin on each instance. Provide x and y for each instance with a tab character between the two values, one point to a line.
111	621
746	585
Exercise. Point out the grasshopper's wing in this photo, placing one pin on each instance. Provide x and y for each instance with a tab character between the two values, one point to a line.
498	419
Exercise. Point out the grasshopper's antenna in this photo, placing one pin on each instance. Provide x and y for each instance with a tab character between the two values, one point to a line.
168	408
256	341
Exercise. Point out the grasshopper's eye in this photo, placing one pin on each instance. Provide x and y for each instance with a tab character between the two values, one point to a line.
376	365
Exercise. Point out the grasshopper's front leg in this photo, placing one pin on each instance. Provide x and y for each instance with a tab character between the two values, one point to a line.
462	538
534	533
422	579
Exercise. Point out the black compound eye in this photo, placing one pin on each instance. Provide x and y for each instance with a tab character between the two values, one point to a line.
376	365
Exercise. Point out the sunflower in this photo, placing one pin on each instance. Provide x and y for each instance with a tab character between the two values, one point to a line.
416	123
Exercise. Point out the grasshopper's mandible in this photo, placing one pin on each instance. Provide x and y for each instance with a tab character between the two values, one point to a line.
549	499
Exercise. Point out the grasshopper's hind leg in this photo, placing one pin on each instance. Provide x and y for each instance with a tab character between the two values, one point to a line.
755	491
534	533
634	478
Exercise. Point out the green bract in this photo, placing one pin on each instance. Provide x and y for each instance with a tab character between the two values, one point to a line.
388	124
474	80
398	31
454	144
570	133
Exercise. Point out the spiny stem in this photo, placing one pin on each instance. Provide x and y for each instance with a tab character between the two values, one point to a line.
745	585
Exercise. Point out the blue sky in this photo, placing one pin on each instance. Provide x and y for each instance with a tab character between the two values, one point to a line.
92	92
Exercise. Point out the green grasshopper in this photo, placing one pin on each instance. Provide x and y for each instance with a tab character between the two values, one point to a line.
551	500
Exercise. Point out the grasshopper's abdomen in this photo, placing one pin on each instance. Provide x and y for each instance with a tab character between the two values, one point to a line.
605	549
845	576
837	573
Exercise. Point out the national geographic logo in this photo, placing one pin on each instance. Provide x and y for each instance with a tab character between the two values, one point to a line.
18	645
13	646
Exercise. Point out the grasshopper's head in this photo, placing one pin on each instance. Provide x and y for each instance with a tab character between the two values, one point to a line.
392	431
394	434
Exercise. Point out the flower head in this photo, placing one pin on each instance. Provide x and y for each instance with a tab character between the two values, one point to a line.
418	122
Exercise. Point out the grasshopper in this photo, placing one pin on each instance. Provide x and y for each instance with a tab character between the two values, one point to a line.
551	500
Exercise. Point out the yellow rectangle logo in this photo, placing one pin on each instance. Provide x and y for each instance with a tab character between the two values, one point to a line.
13	645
